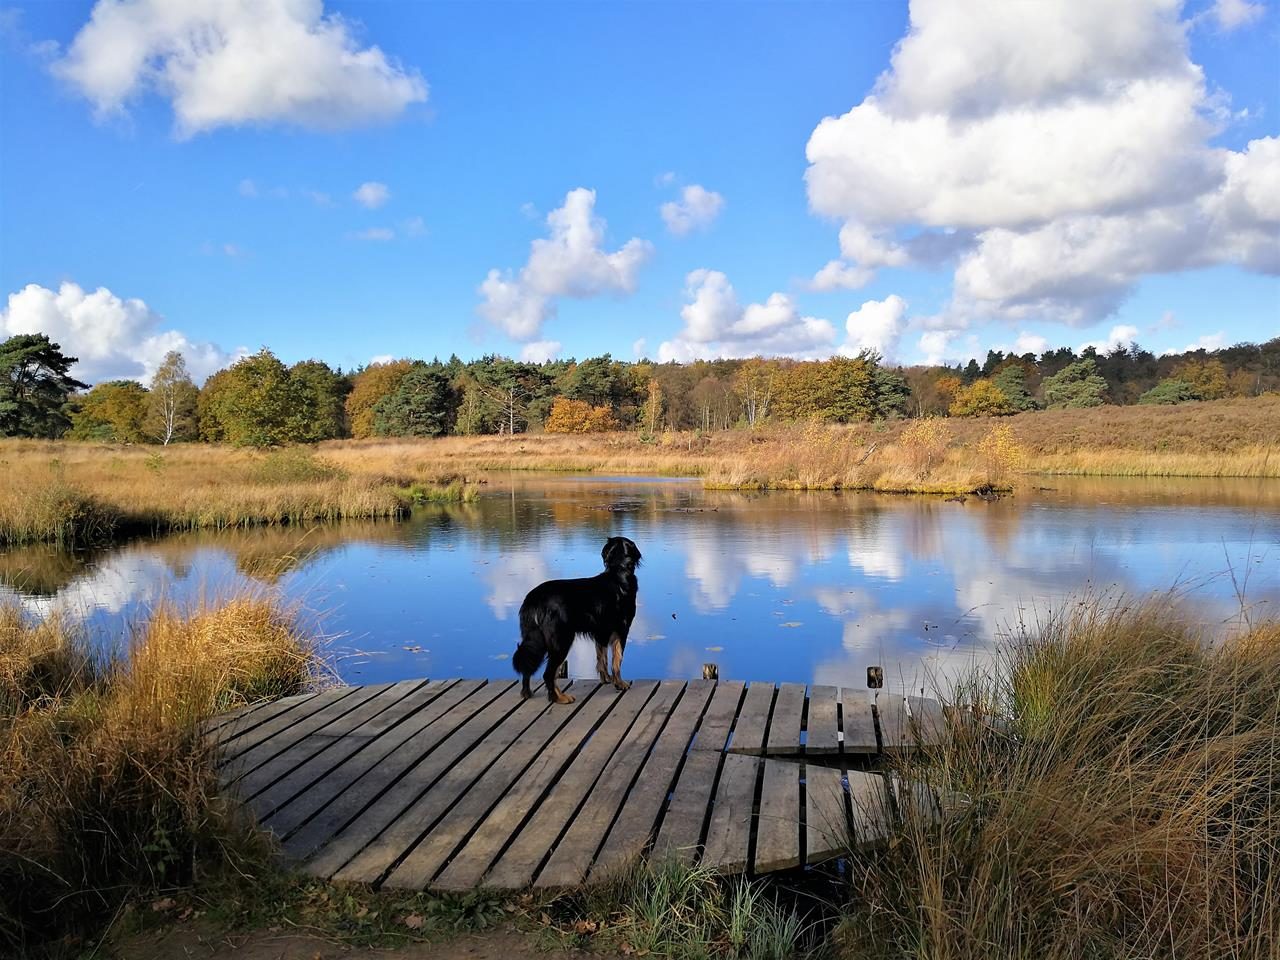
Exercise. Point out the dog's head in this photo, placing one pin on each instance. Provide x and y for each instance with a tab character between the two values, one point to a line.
619	553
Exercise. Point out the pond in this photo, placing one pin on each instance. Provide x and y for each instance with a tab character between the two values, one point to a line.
808	587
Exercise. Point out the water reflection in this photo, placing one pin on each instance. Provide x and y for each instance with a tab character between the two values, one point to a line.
807	587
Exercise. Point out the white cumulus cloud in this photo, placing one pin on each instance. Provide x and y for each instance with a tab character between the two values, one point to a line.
877	325
696	209
371	194
717	325
1060	149
113	338
233	62
569	262
540	351
1232	14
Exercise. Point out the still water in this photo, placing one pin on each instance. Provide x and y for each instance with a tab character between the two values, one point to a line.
809	587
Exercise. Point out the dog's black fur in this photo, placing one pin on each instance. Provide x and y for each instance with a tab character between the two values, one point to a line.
602	607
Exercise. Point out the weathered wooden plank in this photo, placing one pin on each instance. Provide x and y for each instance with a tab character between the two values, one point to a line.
778	828
630	832
306	761
716	723
469	864
928	722
235	746
869	800
914	799
518	864
894	723
400	795
857	722
411	825
261	713
430	855
377	773
289	811
752	725
822	725
729	830
786	722
681	829
826	814
573	855
267	751
219	720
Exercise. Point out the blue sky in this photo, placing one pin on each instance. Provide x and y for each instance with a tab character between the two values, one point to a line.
204	196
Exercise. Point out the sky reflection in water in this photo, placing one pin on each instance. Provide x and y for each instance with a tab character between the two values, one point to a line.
799	587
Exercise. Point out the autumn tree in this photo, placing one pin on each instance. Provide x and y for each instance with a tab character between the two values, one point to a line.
34	386
754	384
172	402
578	416
371	384
982	398
255	404
653	406
1208	378
112	411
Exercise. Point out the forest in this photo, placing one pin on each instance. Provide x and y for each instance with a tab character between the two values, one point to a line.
260	401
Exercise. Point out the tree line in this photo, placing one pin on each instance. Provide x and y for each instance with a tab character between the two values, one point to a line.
260	401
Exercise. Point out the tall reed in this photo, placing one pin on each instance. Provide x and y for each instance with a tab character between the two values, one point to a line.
1113	790
107	786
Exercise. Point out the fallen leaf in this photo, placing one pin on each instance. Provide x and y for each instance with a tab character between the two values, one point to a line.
413	921
582	927
165	903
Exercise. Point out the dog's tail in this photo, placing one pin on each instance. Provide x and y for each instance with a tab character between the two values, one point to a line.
533	645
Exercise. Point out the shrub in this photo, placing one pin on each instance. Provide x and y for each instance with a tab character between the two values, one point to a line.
578	416
1001	453
982	398
925	442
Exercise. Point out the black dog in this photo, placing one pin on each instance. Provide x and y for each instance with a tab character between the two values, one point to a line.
602	607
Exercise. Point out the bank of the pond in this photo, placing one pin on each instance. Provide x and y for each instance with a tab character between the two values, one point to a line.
77	492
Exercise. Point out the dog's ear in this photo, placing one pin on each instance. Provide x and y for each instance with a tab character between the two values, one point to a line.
632	551
614	550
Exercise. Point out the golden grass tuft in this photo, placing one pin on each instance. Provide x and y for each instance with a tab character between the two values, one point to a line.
1120	797
107	786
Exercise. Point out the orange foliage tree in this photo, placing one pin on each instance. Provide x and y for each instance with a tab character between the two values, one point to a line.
578	416
374	382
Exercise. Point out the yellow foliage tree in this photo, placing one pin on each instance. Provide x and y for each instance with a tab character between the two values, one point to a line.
1207	377
578	416
982	398
925	443
374	382
1001	453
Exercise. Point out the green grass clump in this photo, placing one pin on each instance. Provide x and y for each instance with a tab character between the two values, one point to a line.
1111	790
670	909
453	492
294	465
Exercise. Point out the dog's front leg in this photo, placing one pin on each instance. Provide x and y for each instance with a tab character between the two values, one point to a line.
617	647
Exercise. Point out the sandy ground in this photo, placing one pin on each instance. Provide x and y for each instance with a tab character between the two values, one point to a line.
188	942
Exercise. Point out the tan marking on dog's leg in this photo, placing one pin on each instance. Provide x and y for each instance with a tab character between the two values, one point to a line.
618	682
602	664
561	697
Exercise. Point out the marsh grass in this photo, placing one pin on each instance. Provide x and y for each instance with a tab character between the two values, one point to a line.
669	909
1112	790
107	789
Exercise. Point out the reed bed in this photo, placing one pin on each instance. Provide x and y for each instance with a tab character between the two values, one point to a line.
107	788
1114	793
78	492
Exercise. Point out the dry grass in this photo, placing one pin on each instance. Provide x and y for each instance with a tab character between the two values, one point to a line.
63	491
1124	801
107	787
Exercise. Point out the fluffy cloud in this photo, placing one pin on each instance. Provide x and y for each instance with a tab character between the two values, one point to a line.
540	351
876	325
371	195
837	275
716	325
1064	148
695	210
1120	336
233	62
1030	343
112	337
570	262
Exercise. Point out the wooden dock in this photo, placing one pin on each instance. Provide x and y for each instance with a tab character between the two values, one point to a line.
457	784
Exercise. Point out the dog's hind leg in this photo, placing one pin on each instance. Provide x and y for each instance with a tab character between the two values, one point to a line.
554	659
602	662
618	646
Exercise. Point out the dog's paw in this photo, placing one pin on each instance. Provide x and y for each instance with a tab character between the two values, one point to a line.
562	697
606	678
621	684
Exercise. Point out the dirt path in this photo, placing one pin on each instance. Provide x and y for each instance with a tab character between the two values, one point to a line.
187	942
